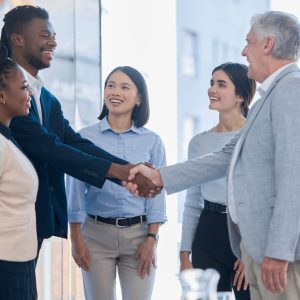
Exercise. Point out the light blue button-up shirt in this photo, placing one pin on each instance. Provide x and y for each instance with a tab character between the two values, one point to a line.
135	145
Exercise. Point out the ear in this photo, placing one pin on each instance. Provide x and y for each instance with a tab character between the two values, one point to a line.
138	101
17	40
239	99
269	43
2	96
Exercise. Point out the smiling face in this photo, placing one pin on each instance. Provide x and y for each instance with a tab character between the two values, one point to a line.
222	93
37	44
120	95
15	96
254	52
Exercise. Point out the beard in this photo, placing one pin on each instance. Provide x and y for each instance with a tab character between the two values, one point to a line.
37	63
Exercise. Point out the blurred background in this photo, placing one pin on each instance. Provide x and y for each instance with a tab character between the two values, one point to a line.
175	44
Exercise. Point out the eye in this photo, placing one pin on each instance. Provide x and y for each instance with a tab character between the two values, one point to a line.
109	85
26	87
125	87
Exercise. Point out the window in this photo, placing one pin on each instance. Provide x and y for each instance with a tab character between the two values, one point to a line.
190	54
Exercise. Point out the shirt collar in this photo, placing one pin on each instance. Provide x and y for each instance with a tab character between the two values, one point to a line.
36	83
269	80
5	131
104	126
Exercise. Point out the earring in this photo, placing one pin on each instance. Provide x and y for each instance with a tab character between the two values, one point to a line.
3	102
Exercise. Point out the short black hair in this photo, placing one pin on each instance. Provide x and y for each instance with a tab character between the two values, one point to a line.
244	86
7	66
16	18
140	114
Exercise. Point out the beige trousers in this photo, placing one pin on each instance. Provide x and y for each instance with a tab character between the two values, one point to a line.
257	289
112	249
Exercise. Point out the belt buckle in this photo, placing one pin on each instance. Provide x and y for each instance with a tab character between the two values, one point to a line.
117	222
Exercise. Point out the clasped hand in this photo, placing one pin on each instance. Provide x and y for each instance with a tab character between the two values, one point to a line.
144	180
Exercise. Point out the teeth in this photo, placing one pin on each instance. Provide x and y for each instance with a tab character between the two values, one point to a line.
115	101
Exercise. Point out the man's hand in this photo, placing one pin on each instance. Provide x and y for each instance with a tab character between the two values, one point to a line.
149	172
140	185
239	278
145	255
274	274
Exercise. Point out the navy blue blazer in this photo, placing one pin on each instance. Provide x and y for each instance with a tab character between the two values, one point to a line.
54	149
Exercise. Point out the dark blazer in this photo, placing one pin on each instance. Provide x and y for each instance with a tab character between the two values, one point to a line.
54	149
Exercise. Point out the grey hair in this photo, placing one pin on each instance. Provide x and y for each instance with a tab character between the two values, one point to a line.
284	28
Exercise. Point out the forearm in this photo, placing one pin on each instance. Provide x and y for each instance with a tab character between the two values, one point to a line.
154	228
75	230
184	256
120	172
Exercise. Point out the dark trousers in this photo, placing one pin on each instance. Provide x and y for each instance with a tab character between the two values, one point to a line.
211	249
40	243
17	280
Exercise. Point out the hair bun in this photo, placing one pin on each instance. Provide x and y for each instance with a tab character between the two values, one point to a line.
3	53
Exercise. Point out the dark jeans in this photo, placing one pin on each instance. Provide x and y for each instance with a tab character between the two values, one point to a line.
211	249
17	280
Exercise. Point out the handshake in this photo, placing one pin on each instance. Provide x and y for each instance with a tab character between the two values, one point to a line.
141	180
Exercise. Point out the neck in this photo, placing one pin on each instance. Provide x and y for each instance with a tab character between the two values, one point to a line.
229	122
119	123
24	64
273	66
4	119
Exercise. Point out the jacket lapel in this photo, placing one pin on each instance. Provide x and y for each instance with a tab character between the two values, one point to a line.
34	107
259	104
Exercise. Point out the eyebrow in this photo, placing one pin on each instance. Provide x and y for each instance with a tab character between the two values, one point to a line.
125	83
219	81
48	31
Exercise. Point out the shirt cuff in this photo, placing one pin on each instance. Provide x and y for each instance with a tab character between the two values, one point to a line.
77	217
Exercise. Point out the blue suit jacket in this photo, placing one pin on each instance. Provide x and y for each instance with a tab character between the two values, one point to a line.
55	148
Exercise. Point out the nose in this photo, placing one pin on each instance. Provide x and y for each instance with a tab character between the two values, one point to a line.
211	89
116	91
52	41
243	53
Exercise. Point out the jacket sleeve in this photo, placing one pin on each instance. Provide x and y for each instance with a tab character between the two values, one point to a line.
62	147
192	172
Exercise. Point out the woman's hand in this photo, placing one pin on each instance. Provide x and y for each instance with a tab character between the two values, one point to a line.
80	252
145	255
239	276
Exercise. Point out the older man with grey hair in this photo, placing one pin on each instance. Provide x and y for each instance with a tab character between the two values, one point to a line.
262	163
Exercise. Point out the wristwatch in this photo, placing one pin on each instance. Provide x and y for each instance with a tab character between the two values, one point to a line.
153	235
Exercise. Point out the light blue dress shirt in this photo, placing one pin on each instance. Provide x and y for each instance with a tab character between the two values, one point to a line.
135	145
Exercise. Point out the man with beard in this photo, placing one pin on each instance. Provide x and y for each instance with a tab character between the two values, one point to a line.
45	135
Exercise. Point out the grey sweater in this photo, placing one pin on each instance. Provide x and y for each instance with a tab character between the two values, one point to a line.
213	191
